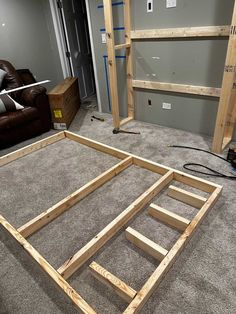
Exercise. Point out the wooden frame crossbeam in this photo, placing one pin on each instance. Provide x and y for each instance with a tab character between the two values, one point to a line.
136	299
183	32
178	88
226	116
120	287
168	217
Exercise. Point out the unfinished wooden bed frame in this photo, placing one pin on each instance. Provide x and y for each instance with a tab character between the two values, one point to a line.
226	116
136	299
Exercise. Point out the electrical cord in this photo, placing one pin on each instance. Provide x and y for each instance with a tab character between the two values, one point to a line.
214	173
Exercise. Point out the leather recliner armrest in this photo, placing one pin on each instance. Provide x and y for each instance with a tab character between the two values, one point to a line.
29	95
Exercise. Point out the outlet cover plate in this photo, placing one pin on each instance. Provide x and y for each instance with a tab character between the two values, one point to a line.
149	6
166	105
171	3
104	38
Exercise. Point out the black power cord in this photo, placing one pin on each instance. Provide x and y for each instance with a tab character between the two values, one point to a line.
214	173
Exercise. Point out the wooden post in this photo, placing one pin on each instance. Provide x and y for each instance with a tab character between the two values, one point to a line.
112	62
226	91
129	59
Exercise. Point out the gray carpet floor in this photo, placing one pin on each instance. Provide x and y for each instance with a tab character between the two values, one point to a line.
203	280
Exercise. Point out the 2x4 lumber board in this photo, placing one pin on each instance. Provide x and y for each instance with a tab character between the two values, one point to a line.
184	32
155	279
58	209
180	176
76	261
147	245
186	197
98	146
112	62
77	300
227	88
178	88
129	59
119	286
168	217
231	119
125	121
122	46
31	148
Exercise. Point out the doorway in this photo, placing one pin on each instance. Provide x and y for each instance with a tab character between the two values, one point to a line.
74	29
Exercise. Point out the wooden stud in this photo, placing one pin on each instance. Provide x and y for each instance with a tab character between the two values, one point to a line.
52	213
49	270
186	197
122	46
129	59
185	32
227	88
168	217
119	286
96	145
143	295
178	88
145	244
112	62
125	121
31	148
76	261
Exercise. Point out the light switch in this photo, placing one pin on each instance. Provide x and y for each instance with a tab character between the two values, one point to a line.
171	3
104	38
149	6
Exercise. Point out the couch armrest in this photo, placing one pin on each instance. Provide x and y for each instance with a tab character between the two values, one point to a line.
29	95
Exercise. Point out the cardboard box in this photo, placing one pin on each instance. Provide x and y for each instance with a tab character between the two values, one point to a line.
64	103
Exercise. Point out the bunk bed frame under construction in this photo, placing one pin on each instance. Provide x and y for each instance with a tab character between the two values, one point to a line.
165	259
226	116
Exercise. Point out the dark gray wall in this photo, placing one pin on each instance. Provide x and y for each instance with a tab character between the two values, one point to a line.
197	62
28	39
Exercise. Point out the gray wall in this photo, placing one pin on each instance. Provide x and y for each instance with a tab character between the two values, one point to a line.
198	62
28	39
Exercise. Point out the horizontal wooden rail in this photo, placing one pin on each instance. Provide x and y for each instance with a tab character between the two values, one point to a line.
178	88
52	213
186	197
49	270
76	261
31	148
184	32
126	120
168	217
122	46
145	244
120	287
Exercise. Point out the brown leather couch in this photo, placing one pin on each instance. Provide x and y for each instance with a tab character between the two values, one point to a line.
34	119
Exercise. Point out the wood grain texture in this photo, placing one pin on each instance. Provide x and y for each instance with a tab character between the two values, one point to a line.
186	197
31	148
227	89
119	286
184	32
145	244
76	299
76	261
178	88
155	279
53	212
168	217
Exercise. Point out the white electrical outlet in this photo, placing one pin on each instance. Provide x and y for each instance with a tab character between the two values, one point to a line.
104	38
171	3
149	6
166	105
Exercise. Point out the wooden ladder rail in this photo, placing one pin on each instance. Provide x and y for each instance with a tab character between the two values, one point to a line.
111	51
225	121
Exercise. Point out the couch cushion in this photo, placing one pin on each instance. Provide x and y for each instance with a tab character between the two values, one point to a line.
12	78
2	75
8	104
11	120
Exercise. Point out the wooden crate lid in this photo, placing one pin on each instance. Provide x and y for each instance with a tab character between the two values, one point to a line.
62	87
